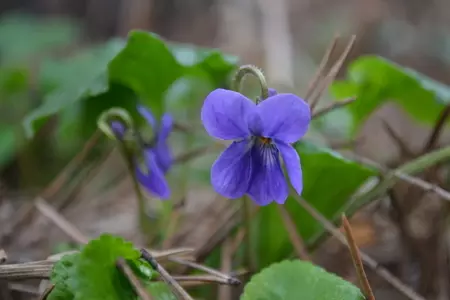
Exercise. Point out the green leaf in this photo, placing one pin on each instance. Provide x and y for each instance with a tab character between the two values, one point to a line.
216	64
62	272
160	291
97	276
299	280
85	75
16	42
375	80
146	66
329	180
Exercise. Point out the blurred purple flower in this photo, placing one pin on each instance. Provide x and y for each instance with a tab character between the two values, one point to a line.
261	132
157	155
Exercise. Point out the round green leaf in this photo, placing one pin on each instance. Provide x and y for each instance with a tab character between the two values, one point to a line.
299	280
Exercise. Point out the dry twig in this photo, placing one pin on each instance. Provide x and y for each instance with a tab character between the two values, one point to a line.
316	79
332	74
229	279
369	261
331	107
48	211
426	186
356	258
26	210
404	149
295	237
439	126
165	275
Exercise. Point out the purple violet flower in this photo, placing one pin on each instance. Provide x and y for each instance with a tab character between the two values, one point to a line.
261	132
157	155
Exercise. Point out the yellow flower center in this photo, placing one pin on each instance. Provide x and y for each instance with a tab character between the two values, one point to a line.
265	141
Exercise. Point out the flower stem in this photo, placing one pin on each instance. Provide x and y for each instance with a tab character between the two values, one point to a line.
247	218
128	149
255	71
145	224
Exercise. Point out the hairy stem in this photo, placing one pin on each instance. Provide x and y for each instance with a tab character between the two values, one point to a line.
255	71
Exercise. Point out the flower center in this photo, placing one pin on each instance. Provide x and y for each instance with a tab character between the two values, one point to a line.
265	141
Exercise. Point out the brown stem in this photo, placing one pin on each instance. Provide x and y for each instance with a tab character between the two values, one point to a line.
356	258
439	126
294	236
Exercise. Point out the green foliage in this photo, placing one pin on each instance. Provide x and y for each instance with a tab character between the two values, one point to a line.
146	66
92	273
329	181
295	280
97	274
63	272
375	80
175	78
82	77
115	73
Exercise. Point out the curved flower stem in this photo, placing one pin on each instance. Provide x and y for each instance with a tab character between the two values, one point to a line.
255	71
236	85
127	149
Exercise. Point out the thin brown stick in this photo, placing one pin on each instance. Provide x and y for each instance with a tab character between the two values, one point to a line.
25	288
426	186
92	173
294	236
332	74
316	79
369	261
184	128
339	145
404	149
176	287
63	177
437	130
230	280
77	236
48	211
332	106
200	278
356	258
137	285
26	210
197	280
184	157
